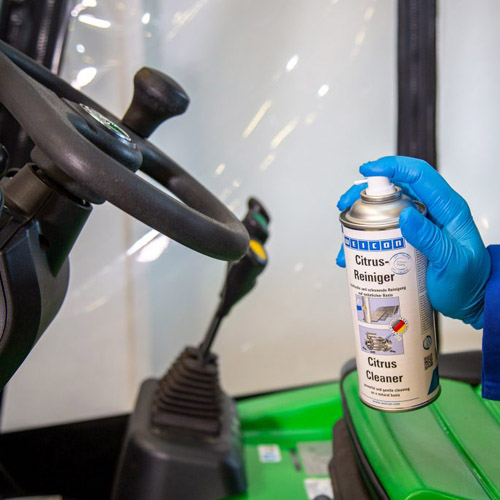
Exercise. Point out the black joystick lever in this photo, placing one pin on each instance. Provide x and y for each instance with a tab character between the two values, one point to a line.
157	97
241	276
185	426
189	395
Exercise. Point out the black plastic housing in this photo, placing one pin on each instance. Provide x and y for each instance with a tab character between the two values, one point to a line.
179	464
38	226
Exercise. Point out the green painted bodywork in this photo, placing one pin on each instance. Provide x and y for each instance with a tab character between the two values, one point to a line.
447	450
285	419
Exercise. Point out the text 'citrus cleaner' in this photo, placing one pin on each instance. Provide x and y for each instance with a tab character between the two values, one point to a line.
396	352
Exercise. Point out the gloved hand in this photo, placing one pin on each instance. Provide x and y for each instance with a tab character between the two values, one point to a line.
459	264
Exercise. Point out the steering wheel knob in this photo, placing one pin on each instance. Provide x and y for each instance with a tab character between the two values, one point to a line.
157	97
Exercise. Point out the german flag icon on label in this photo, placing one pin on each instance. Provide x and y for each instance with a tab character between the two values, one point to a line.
399	325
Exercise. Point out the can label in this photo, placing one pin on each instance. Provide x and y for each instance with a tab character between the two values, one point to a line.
393	322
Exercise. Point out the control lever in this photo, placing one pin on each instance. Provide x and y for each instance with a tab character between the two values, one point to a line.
184	425
189	395
241	276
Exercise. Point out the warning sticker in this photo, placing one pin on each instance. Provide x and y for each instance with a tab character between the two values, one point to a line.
317	487
315	456
269	453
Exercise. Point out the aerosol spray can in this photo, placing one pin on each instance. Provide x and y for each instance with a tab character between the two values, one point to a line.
396	352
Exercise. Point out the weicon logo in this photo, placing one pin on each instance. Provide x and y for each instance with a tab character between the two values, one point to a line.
374	245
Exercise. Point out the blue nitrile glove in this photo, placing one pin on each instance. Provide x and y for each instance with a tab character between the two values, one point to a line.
459	264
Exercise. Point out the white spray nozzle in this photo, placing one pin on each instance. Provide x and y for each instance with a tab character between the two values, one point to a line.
378	185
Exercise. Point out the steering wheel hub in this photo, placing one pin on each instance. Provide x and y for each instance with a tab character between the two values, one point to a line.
107	123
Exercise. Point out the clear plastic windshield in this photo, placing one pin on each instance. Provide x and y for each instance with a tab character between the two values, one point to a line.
287	99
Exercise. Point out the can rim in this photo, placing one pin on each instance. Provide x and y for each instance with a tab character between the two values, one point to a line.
381	198
377	226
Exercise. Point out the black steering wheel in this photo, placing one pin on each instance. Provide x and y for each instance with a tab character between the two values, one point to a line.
94	155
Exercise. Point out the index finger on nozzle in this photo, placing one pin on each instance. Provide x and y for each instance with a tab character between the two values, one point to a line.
441	200
398	168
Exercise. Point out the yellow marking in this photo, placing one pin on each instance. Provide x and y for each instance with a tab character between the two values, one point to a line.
258	250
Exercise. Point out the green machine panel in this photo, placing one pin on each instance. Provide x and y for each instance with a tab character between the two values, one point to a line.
288	442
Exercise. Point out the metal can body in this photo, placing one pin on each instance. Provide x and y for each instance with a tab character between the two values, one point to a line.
396	352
